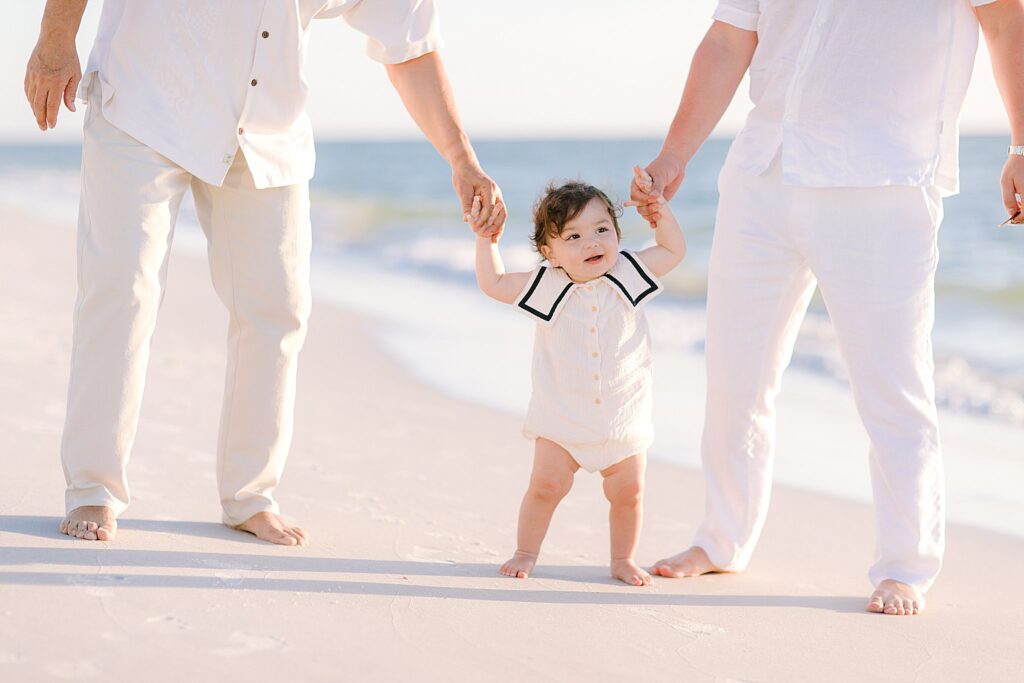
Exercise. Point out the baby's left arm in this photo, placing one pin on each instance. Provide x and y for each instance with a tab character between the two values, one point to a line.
670	247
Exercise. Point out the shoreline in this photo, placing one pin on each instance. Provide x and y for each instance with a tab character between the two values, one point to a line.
410	498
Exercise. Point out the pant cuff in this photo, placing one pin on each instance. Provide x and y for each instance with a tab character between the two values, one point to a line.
237	511
94	496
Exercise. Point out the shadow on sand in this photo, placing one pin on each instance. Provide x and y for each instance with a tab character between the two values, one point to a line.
89	557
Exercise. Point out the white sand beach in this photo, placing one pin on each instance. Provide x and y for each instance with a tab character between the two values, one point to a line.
410	499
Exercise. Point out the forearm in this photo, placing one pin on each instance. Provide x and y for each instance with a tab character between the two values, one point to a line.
489	266
61	19
427	95
715	73
1003	25
669	234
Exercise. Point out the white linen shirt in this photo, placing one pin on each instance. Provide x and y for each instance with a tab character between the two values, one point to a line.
196	80
858	93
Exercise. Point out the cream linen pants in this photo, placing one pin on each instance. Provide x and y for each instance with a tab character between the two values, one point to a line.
258	247
873	253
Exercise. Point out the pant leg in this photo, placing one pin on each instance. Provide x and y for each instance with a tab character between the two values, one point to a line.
259	247
129	202
759	288
875	254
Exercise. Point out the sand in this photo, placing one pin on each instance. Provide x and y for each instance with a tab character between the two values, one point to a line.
410	500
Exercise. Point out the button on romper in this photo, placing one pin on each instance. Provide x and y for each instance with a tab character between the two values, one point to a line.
592	362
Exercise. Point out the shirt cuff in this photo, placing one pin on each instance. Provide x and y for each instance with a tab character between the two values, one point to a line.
379	52
736	17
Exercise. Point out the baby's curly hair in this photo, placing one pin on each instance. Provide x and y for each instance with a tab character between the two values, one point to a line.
560	204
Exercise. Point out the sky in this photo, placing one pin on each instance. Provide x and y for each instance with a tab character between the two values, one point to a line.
524	69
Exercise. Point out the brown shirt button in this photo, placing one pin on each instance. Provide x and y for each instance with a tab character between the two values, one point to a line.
253	82
265	34
241	131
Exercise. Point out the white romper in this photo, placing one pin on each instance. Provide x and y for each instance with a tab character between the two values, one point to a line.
592	361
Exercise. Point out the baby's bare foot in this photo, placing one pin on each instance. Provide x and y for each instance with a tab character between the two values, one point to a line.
893	597
268	526
691	562
520	566
90	523
628	572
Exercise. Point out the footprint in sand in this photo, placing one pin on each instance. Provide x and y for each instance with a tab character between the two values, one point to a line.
169	621
421	553
694	628
245	643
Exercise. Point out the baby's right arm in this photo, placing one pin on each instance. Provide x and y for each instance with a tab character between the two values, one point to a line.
490	270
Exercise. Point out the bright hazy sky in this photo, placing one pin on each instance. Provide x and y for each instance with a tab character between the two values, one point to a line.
530	68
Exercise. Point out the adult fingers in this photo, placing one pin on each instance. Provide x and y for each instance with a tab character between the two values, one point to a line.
70	91
486	192
53	99
39	106
1010	189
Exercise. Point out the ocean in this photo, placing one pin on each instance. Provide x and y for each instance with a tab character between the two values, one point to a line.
389	242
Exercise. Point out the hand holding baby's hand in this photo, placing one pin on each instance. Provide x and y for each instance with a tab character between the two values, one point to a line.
643	186
494	226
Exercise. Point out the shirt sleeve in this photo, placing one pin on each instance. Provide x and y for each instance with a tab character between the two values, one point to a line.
396	30
979	3
740	13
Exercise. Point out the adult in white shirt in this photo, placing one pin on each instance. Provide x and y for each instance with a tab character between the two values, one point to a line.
837	181
210	95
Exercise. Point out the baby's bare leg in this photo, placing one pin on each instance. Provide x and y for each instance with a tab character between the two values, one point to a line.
553	470
624	487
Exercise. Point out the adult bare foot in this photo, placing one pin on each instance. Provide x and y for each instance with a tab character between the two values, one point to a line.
691	562
271	527
893	597
520	566
90	523
627	572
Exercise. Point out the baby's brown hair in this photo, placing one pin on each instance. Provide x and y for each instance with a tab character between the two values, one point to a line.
560	204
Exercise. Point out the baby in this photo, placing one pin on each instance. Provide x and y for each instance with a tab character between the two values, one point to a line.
591	403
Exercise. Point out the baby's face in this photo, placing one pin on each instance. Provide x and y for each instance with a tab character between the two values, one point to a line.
587	247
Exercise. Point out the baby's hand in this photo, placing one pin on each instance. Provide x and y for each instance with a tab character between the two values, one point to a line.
643	180
495	225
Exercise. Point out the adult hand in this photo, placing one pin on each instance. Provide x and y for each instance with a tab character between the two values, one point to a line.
667	173
1012	184
52	75
470	181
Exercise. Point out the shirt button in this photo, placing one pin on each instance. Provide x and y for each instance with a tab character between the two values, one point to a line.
597	401
594	354
253	82
265	34
594	309
597	377
241	131
593	330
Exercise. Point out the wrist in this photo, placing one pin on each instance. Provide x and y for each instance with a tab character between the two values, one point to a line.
675	156
460	153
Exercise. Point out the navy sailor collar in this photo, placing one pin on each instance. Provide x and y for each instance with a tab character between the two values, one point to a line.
548	288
